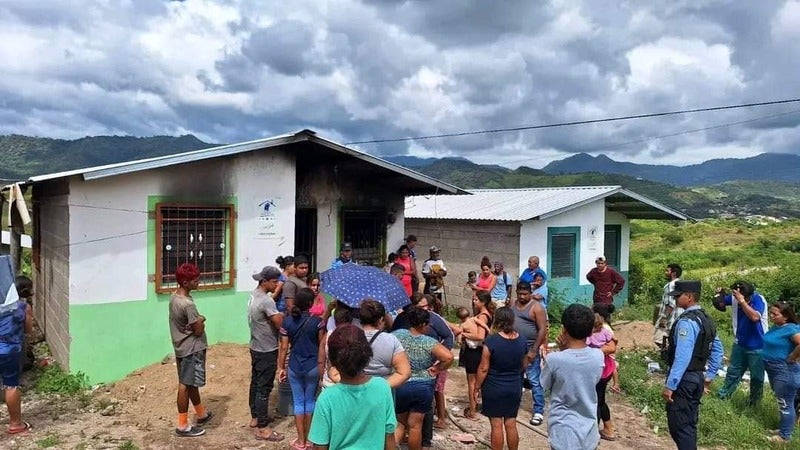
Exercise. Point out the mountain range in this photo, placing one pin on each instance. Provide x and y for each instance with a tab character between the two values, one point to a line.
767	184
782	167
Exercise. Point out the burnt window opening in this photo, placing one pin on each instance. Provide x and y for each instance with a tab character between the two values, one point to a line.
202	235
366	231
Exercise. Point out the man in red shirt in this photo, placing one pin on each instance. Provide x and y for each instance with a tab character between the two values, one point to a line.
607	282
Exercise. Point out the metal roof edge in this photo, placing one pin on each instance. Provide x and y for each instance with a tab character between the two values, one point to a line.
195	155
610	190
109	170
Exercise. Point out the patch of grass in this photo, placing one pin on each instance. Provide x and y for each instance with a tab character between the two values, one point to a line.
723	423
53	379
50	441
128	445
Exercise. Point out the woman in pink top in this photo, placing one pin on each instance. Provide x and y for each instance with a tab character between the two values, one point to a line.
404	259
487	279
318	308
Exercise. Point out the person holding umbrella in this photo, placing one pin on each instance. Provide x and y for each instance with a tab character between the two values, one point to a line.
352	283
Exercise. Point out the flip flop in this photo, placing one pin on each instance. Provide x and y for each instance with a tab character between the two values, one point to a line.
25	427
273	437
439	427
464	438
608	437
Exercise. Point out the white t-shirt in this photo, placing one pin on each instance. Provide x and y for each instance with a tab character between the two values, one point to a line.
430	266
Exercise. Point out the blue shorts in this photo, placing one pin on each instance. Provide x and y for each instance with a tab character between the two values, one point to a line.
414	396
9	369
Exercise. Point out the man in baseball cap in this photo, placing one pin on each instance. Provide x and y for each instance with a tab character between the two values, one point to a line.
265	320
268	273
693	344
687	286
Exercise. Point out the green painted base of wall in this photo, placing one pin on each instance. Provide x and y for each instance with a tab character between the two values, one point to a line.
111	340
571	292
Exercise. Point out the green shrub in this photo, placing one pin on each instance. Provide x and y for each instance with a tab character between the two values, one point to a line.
53	379
673	237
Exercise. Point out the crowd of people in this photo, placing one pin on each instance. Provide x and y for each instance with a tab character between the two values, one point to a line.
365	377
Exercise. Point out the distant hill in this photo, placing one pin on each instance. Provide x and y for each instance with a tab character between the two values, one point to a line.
767	166
767	184
24	156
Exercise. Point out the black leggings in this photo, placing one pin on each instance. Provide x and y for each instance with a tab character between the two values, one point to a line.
603	413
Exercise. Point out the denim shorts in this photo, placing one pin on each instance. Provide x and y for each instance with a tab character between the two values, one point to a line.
414	396
192	369
9	369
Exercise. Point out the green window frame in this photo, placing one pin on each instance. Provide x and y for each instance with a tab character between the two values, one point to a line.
563	252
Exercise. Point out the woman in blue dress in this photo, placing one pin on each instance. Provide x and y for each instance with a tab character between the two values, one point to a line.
499	378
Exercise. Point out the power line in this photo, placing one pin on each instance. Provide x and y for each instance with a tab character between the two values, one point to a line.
662	136
577	122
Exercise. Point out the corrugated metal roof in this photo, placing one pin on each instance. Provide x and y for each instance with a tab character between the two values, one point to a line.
91	173
523	204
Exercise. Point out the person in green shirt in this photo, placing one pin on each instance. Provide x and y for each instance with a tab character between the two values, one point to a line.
358	412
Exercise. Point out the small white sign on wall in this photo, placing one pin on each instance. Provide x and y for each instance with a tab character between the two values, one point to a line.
267	222
592	238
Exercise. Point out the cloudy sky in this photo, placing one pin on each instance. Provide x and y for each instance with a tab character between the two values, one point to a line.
230	71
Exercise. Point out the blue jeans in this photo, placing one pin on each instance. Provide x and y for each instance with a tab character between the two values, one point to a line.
533	372
784	377
304	390
742	360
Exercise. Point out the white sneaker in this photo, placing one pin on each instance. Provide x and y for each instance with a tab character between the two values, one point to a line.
537	419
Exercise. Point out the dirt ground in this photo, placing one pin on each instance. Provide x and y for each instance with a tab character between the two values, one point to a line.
140	410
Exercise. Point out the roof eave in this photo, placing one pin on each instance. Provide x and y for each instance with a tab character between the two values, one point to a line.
440	185
666	209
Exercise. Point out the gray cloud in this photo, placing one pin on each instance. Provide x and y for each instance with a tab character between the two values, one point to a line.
232	71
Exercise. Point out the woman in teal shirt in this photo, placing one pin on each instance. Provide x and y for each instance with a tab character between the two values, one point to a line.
780	354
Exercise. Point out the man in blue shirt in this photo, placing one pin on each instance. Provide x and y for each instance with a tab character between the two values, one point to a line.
749	313
693	342
345	256
528	274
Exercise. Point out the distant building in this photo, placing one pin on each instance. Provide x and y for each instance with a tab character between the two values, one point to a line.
567	227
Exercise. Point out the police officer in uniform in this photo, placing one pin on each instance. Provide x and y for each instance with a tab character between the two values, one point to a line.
692	344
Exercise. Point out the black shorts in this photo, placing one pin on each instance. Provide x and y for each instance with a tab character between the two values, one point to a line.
192	369
472	359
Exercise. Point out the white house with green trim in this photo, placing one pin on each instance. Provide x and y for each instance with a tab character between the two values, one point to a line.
566	227
108	239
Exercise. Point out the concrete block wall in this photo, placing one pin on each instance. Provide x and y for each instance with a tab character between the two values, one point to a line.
463	244
51	277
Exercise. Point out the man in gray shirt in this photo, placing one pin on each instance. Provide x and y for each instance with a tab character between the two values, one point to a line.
571	375
265	321
187	329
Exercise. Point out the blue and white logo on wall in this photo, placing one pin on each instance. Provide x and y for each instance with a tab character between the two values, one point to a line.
267	219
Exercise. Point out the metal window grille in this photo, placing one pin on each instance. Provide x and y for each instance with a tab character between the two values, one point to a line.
562	252
202	235
366	231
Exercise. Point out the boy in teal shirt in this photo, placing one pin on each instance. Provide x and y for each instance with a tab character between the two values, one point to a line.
358	412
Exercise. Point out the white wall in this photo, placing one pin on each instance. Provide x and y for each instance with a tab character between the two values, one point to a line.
108	220
533	236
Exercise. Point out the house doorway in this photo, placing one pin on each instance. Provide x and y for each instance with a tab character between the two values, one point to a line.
305	235
366	231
